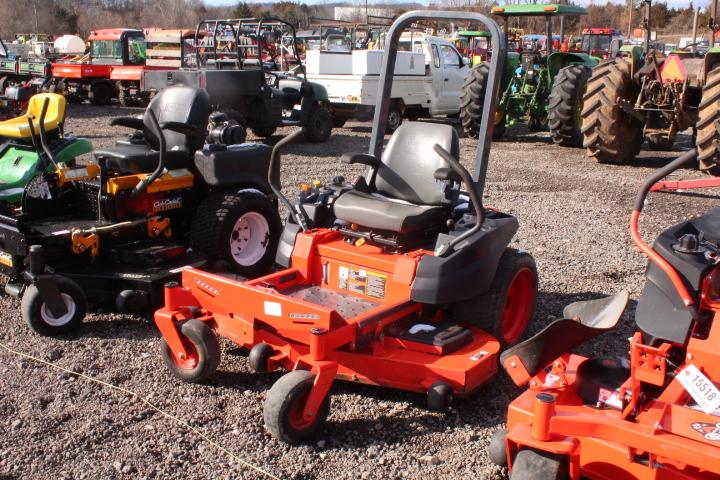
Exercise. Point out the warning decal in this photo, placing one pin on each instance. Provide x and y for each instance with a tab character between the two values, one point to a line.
362	282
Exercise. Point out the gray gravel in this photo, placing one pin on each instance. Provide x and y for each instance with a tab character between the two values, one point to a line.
573	215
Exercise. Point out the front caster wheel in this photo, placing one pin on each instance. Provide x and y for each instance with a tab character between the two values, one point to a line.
39	317
259	356
203	350
439	397
533	465
284	408
497	450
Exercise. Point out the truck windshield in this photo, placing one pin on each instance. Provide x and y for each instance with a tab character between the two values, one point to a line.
593	43
106	49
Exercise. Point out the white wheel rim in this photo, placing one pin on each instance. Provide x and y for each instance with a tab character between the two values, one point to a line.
249	239
53	321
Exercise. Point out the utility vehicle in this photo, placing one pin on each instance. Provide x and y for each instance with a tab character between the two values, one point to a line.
400	279
235	64
654	415
111	232
542	88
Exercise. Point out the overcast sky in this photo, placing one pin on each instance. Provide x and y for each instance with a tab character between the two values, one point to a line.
671	3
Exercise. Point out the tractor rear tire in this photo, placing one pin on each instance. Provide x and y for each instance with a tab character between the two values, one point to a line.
203	349
533	465
284	405
222	220
319	124
708	126
506	308
609	135
472	103
565	104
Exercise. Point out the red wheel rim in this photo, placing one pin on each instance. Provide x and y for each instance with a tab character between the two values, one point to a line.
296	419
192	359
519	302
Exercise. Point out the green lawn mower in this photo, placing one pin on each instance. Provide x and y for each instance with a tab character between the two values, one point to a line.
540	87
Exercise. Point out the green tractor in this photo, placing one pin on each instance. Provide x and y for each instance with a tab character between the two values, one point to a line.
642	95
474	45
540	87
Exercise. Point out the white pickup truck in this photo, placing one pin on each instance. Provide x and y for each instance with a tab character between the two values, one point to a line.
429	74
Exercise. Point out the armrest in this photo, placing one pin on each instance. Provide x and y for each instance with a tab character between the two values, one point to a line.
446	173
363	158
130	122
183	128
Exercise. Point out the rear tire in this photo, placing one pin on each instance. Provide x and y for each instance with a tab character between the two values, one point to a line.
609	135
319	124
222	222
472	103
565	105
708	126
394	118
284	406
535	465
505	310
39	317
203	350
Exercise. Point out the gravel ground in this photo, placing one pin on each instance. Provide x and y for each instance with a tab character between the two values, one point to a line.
573	218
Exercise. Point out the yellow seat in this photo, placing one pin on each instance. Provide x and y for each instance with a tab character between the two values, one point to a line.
19	128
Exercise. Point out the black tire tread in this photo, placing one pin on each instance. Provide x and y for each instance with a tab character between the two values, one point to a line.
567	90
708	126
472	100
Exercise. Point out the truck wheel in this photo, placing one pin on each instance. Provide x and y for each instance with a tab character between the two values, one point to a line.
241	228
471	103
203	349
264	132
533	465
708	126
319	124
394	118
39	317
283	411
609	135
565	105
505	310
102	94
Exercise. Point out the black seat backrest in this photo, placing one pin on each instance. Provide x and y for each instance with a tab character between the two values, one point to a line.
409	162
178	104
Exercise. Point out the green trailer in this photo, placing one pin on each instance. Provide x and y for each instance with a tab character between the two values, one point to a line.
542	88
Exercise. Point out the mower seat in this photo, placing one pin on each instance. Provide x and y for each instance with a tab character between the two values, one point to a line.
18	127
406	197
174	104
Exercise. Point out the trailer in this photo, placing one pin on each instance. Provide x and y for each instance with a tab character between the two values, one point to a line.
428	81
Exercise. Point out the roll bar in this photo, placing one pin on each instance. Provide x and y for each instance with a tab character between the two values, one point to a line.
497	63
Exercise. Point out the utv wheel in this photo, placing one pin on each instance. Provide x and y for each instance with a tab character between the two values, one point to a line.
259	356
102	94
497	450
319	124
439	397
472	102
203	349
565	105
264	132
39	317
506	309
534	465
708	126
284	406
394	118
610	135
240	228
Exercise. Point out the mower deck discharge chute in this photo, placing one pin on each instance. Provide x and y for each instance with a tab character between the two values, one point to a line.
113	232
656	416
400	279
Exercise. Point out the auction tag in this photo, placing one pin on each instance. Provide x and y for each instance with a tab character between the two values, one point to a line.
700	388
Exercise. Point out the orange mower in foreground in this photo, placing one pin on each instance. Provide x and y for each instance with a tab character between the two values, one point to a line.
655	416
400	279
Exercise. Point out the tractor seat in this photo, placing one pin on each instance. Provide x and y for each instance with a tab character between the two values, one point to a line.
131	158
18	127
175	104
406	197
